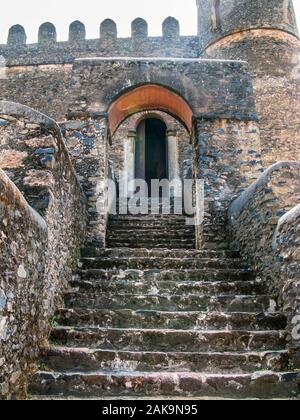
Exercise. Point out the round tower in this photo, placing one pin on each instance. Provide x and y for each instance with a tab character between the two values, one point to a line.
264	33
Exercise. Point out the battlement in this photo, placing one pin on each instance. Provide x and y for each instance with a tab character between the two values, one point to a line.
48	50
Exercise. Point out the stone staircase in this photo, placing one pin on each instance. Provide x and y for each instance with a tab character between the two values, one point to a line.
150	231
172	323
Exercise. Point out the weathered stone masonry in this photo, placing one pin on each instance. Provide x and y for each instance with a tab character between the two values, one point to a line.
265	34
38	252
234	94
22	264
268	235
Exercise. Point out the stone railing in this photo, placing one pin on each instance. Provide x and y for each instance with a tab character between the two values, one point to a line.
286	246
254	215
264	225
34	156
23	241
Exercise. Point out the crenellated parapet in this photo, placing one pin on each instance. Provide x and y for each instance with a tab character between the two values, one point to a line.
49	51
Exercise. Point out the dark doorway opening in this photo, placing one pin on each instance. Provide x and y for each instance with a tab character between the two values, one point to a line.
151	151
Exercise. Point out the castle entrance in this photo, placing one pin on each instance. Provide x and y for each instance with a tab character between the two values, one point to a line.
151	151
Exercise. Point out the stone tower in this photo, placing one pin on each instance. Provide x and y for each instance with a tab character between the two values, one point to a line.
264	33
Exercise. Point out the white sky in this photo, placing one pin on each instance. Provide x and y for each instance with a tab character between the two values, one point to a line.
31	13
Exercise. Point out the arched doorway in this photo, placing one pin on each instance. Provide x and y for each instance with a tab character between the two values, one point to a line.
146	98
151	160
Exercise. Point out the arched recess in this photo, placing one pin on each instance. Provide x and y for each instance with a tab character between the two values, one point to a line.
146	98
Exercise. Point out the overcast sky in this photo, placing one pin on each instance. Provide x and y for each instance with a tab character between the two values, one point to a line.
31	13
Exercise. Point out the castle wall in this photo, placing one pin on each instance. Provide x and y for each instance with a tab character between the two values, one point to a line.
87	143
210	87
219	18
67	52
45	88
273	57
227	156
48	51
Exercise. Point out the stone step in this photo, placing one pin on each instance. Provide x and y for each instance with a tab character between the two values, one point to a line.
164	340
199	321
170	218
168	287
160	234
154	244
65	359
168	275
153	231
161	263
266	384
154	253
151	243
149	224
188	302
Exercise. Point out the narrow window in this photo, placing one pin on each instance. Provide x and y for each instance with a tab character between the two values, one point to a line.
216	14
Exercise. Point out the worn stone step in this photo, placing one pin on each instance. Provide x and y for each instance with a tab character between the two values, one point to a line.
161	234
153	244
164	340
173	219
217	245
64	359
168	287
186	302
153	231
161	263
266	384
193	320
161	253
149	224
155	223
208	274
170	218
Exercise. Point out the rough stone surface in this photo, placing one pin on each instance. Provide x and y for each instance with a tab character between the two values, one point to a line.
273	57
126	332
268	234
203	323
87	143
23	239
33	247
286	244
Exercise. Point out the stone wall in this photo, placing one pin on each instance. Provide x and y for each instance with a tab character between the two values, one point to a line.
215	88
286	245
274	59
255	214
42	87
23	241
33	155
48	51
38	75
87	143
219	18
227	156
264	225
